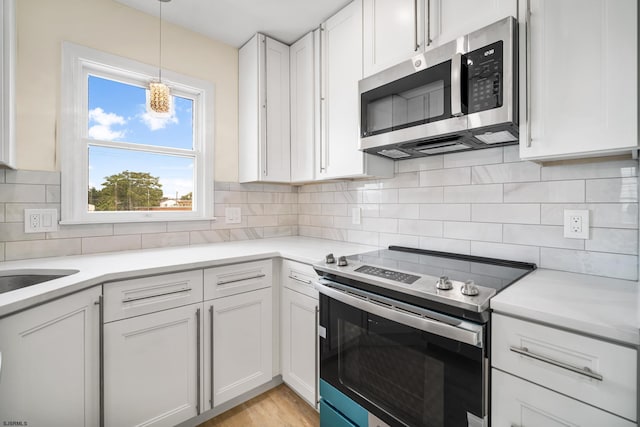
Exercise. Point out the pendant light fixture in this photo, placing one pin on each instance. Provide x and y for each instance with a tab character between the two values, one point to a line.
159	96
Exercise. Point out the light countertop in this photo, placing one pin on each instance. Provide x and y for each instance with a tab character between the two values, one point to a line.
99	268
593	305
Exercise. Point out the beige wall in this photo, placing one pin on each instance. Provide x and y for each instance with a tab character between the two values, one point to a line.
105	25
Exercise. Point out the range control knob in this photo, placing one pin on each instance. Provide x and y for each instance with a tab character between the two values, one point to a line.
444	283
329	259
469	288
342	261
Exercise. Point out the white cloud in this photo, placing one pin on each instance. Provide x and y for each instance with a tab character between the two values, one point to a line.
156	121
103	123
171	185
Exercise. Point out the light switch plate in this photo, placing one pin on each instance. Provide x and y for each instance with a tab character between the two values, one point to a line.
40	220
576	224
233	215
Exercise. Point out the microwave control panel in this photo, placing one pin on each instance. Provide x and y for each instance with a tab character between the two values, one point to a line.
484	74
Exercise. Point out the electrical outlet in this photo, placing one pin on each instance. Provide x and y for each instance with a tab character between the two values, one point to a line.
40	220
233	215
576	224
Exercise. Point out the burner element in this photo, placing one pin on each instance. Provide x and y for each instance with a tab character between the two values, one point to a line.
444	283
329	259
342	261
469	288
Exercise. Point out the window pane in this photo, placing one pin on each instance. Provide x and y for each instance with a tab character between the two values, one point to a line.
118	112
125	180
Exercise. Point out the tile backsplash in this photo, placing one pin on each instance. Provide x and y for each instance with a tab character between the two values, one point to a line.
486	203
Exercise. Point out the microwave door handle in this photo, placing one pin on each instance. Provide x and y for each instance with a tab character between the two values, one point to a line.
456	85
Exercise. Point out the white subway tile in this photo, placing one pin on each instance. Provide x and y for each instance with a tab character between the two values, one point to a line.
363	237
310	209
230	197
2	249
421	195
81	230
208	236
41	248
473	231
322	197
310	231
370	210
14	231
540	235
320	221
516	213
420	164
221	186
442	177
481	193
445	245
381	225
139	227
2	212
506	172
345	222
173	226
280	231
22	193
404	210
604	215
334	234
362	185
262	221
419	227
511	153
346	197
256	197
613	240
92	245
253	186
246	233
14	212
505	251
278	209
590	168
545	192
401	180
279	188
472	158
388	239
287	220
381	196
162	240
32	177
304	198
52	194
335	209
596	263
2	178
446	211
220	223
284	197
621	190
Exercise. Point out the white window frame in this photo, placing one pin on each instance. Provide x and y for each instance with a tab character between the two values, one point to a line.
77	63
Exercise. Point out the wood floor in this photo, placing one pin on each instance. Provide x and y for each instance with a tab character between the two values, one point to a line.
278	407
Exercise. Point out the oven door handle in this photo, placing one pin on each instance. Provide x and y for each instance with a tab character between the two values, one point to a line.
471	334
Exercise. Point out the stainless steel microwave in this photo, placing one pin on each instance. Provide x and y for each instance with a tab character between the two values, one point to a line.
460	96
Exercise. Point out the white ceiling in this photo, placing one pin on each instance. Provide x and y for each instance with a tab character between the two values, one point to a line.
235	21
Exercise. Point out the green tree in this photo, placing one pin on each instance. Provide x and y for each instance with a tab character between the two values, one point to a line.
188	196
127	191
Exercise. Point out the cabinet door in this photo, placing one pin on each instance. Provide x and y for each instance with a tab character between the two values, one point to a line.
391	31
302	77
583	78
515	402
7	82
238	333
451	19
299	343
276	146
151	368
50	363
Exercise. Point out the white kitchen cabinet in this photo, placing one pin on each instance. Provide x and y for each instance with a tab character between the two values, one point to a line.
152	368
516	402
299	331
579	78
341	69
304	103
7	83
395	30
237	345
263	98
49	363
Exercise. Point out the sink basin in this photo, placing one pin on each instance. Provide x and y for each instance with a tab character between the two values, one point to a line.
18	279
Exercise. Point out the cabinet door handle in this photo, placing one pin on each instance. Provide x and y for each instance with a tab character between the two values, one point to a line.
317	357
198	361
527	27
524	351
415	26
100	304
126	300
429	23
225	282
306	282
264	107
211	349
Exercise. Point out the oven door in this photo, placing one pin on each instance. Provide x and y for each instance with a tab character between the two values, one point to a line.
403	367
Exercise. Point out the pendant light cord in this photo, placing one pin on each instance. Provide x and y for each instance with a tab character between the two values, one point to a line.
160	46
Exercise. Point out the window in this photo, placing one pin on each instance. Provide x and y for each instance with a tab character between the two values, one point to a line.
123	163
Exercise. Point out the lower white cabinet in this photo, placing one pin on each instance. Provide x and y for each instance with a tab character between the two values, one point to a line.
49	363
238	345
152	368
519	403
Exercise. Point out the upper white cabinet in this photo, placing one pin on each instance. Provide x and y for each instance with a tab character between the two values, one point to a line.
341	69
263	98
395	30
579	78
49	361
7	83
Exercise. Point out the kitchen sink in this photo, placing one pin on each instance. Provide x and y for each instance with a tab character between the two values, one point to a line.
18	279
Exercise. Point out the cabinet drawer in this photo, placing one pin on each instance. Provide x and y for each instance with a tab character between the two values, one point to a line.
593	371
234	279
299	277
516	402
135	297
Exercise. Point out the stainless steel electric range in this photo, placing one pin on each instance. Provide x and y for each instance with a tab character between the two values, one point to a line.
404	337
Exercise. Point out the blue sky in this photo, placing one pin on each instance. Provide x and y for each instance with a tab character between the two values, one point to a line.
117	112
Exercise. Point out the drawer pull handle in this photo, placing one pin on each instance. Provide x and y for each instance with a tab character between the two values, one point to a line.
524	351
126	300
306	282
224	282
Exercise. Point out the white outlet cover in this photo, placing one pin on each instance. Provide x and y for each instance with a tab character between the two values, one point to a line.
356	216
233	215
583	214
40	220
